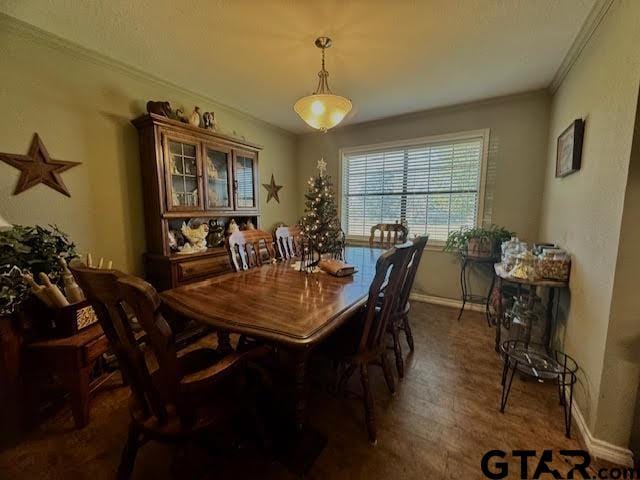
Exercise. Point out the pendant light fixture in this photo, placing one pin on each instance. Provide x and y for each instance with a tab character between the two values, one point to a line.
323	110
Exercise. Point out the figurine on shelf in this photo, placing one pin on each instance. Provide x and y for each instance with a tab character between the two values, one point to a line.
173	243
233	226
196	236
194	196
216	234
174	168
159	108
213	198
212	172
176	240
209	121
194	118
250	225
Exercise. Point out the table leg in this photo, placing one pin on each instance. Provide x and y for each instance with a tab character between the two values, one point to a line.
77	383
463	286
549	320
487	313
300	378
499	314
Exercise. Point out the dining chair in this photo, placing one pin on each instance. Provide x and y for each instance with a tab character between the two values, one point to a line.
287	240
360	343
250	248
400	317
386	235
186	395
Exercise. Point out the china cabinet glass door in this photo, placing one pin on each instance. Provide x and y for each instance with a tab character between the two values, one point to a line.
184	191
245	180
217	168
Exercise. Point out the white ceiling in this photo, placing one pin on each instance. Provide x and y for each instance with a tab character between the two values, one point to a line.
389	57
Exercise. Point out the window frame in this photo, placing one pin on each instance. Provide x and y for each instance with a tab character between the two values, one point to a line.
465	135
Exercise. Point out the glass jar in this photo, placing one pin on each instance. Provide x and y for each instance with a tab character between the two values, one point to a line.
553	264
510	251
524	267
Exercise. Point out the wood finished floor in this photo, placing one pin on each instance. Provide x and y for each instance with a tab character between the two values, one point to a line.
441	421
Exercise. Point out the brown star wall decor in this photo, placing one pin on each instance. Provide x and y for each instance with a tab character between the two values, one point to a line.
38	167
272	190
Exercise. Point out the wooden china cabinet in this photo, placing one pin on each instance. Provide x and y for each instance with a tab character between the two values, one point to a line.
191	174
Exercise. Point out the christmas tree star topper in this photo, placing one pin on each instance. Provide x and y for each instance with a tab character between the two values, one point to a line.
322	166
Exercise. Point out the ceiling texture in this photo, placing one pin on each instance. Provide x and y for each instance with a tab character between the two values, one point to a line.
388	57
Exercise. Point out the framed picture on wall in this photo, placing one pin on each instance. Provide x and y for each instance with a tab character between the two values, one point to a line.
569	149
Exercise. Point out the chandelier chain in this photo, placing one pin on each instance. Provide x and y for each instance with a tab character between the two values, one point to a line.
323	82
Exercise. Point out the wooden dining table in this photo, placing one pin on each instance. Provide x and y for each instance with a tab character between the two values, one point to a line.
279	305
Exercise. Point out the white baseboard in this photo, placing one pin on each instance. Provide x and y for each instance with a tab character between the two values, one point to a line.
446	302
599	448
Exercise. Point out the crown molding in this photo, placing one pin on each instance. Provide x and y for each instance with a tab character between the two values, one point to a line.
48	39
590	25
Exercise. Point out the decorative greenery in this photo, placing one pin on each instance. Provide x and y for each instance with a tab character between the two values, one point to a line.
29	250
458	240
320	224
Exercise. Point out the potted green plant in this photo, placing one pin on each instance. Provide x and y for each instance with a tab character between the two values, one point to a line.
29	250
477	241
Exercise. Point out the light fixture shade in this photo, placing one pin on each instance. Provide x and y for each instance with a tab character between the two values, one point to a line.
323	110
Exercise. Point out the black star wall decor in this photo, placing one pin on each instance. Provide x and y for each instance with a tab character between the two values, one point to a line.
38	167
272	190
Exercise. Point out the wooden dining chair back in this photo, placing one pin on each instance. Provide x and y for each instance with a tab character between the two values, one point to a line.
419	244
250	248
173	402
287	240
360	343
386	235
400	318
102	289
384	295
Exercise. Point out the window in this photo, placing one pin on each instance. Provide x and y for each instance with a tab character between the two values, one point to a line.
434	185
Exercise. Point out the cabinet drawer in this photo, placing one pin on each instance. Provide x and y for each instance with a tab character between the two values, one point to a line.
202	267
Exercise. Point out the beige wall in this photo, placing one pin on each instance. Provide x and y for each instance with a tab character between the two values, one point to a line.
517	152
583	211
621	368
82	108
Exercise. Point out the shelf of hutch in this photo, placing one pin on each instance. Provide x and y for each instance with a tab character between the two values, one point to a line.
192	173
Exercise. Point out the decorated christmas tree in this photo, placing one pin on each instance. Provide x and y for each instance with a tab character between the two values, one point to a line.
320	224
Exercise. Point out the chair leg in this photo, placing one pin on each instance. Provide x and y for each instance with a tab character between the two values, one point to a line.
388	375
407	332
128	457
397	349
368	404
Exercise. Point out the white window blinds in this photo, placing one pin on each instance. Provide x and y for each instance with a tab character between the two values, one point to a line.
433	187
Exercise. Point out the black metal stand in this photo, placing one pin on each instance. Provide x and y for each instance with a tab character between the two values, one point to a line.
467	296
534	360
